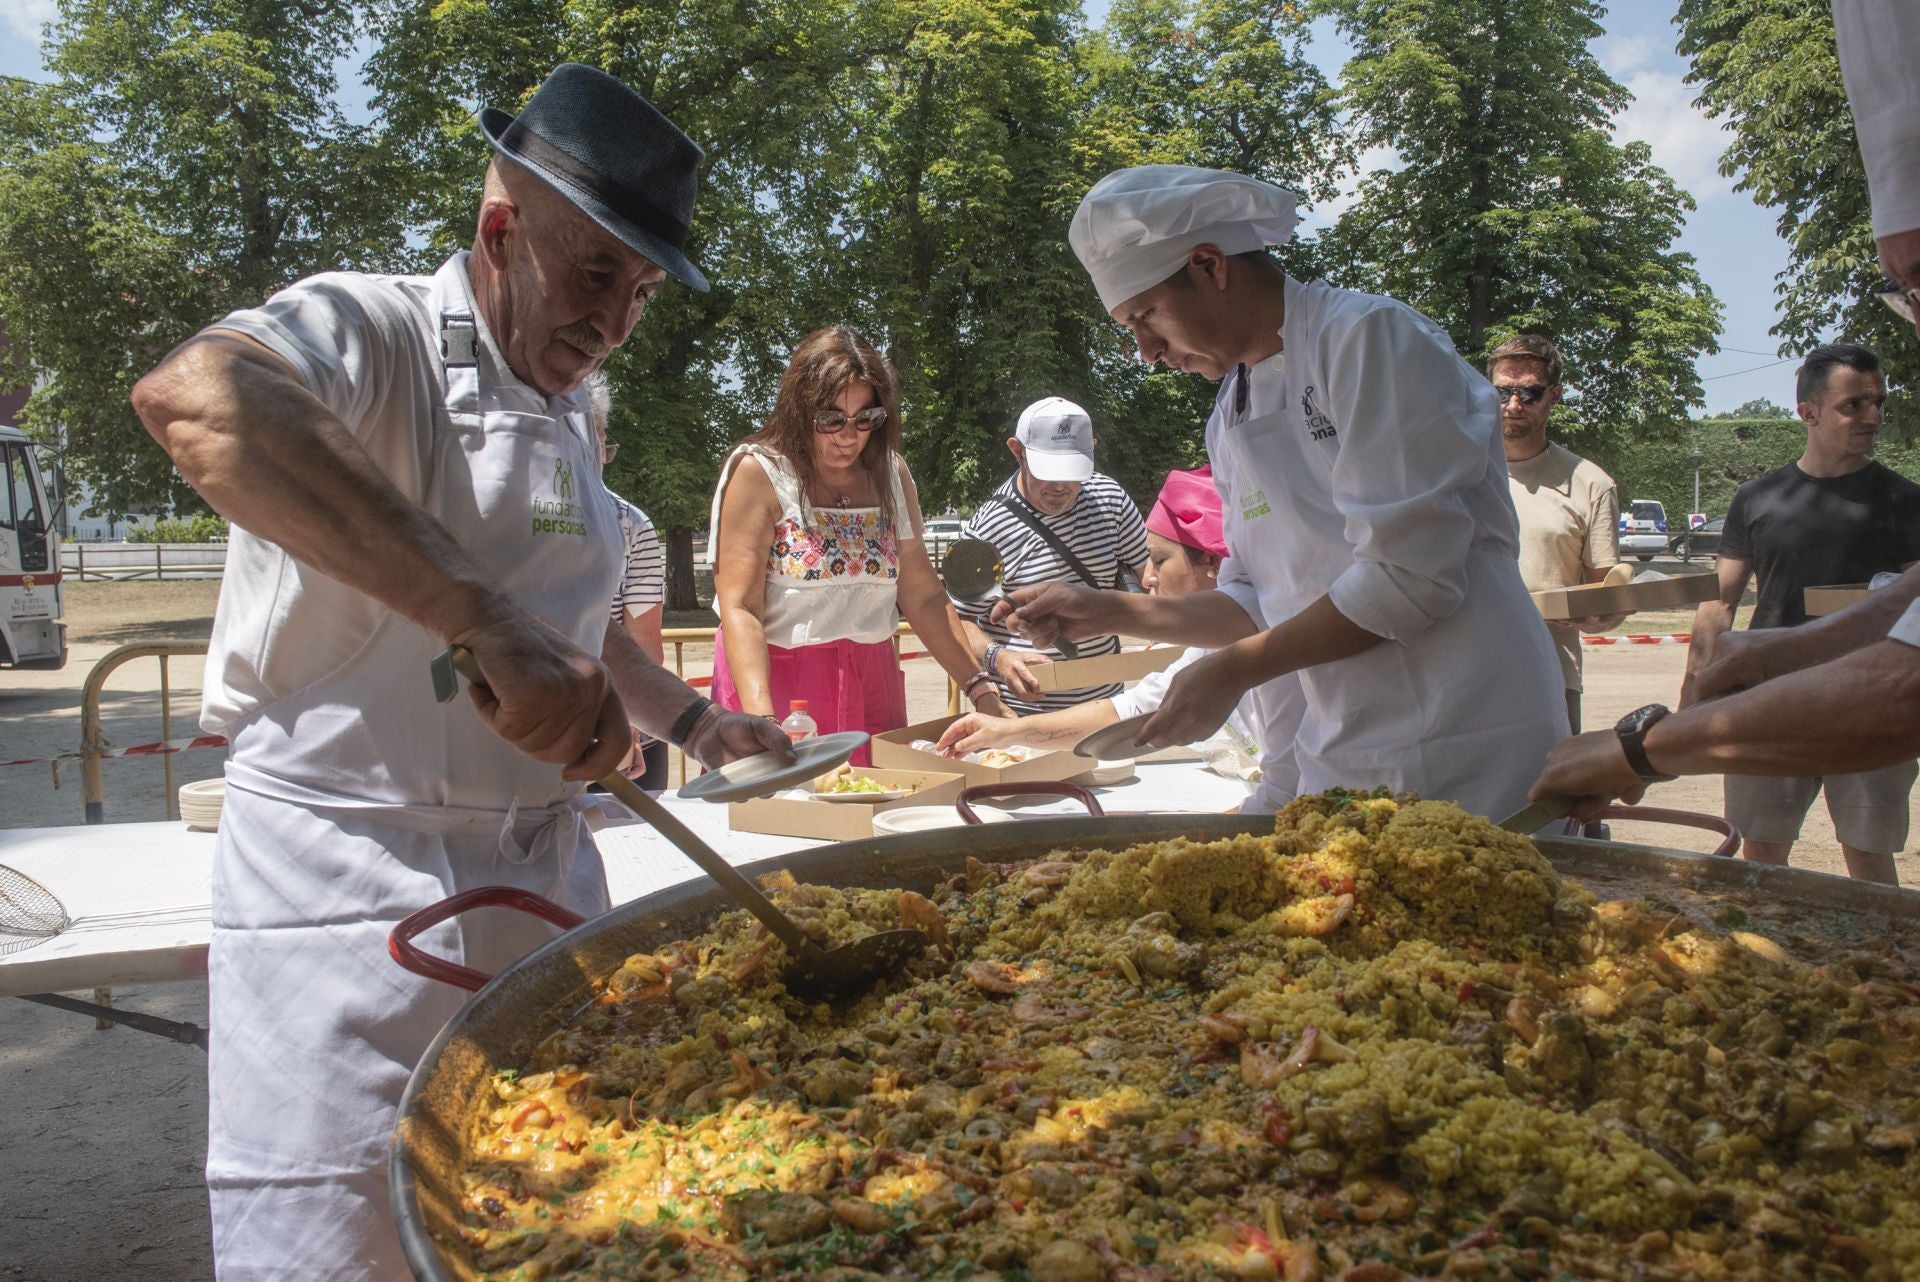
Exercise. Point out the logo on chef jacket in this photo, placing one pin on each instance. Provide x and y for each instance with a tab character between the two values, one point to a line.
1319	426
560	514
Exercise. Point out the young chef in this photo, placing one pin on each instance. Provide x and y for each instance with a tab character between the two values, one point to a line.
407	462
1365	486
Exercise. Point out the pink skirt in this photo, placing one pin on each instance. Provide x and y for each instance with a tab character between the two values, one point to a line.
848	685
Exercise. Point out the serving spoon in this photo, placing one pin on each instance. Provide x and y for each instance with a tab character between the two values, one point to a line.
810	968
971	572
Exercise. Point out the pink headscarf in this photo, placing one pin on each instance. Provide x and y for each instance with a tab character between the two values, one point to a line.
1188	511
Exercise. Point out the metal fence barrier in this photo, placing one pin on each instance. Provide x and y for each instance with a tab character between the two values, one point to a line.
93	741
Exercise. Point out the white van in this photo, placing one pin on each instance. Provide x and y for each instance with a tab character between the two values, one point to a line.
32	632
1643	529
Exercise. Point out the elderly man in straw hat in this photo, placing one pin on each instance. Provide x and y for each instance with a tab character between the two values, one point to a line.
407	462
1365	487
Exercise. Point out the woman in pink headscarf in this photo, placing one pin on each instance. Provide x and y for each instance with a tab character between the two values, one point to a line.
1185	546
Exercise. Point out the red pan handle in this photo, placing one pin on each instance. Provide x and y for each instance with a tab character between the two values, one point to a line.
1730	835
1031	788
400	941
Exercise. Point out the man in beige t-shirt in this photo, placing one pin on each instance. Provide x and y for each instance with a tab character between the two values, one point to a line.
1569	508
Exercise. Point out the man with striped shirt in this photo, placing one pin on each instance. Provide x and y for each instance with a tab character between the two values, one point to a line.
641	597
1051	513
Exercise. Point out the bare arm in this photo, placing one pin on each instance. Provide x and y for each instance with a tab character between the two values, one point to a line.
923	600
1714	618
268	455
1061	728
1049	610
748	514
653	699
1858	712
644	628
1756	656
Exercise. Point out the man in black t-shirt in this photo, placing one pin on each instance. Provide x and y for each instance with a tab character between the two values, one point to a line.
1833	516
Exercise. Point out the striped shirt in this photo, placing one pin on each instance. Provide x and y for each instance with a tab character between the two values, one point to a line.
643	575
1103	528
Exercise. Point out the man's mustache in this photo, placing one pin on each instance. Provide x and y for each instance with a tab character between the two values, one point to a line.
584	337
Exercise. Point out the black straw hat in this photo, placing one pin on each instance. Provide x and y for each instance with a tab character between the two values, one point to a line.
613	156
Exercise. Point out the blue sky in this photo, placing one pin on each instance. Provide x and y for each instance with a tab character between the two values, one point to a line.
1733	240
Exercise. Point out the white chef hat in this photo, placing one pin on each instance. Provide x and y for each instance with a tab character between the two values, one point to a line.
1137	226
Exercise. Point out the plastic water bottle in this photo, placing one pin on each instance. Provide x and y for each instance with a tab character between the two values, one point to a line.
798	724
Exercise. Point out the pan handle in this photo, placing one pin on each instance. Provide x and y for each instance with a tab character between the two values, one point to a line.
400	942
1031	788
1730	835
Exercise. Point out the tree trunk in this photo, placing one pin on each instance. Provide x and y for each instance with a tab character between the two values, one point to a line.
682	590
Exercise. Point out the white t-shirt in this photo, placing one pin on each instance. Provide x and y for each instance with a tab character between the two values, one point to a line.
1879	52
367	346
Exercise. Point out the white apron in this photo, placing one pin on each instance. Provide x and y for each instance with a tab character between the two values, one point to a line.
358	800
1466	707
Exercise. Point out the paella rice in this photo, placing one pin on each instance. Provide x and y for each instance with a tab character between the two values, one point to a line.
1386	1041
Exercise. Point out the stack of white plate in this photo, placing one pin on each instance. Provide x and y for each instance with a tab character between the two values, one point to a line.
200	804
1107	773
927	818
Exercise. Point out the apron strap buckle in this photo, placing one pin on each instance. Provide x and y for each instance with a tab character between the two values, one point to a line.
459	341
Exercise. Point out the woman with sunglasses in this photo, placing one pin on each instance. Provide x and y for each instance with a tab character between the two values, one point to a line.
816	553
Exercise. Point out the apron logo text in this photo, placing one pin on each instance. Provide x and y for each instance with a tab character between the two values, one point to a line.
1319	426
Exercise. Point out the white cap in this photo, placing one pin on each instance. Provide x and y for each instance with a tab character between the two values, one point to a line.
1057	437
1137	226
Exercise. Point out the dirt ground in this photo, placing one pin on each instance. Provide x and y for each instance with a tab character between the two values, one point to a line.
106	1131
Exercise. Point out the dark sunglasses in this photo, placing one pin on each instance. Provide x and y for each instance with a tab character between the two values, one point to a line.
1528	393
863	420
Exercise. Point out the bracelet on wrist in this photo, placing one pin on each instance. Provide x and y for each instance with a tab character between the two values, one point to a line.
683	724
976	679
991	660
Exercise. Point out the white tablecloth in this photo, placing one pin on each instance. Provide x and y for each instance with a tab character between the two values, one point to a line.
139	893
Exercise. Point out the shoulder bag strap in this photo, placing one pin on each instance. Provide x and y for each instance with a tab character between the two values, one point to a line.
1032	521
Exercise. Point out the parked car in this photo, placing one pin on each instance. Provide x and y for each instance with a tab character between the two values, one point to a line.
1643	529
1704	541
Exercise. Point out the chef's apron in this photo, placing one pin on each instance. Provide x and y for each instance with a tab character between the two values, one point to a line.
1465	711
358	800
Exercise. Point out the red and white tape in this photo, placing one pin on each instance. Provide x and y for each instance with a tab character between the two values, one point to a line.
1641	638
156	749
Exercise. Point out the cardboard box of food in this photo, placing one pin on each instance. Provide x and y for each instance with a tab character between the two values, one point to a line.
894	750
1128	665
1642	594
1833	598
844	820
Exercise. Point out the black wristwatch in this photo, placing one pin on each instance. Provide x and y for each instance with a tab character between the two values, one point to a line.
1632	730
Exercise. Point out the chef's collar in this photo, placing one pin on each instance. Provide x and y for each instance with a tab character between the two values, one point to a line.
1137	226
497	376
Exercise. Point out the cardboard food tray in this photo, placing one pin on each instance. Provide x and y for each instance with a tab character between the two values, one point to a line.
1833	598
893	751
844	820
1128	665
1656	594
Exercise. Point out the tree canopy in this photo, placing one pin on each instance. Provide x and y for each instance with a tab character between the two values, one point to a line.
907	165
1512	210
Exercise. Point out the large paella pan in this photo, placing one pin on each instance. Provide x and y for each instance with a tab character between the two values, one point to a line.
1383	1042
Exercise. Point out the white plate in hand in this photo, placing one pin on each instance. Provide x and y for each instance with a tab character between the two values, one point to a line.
1114	742
761	774
871	798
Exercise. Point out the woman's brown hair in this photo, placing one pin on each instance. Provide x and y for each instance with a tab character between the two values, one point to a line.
823	363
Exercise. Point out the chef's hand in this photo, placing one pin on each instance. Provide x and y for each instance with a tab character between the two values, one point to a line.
720	736
975	732
1738	660
546	696
1198	702
1048	611
1592	767
1015	667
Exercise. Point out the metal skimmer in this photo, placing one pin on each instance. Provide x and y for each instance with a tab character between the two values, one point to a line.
29	912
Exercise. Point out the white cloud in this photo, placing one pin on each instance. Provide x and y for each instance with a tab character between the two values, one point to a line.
1685	142
25	18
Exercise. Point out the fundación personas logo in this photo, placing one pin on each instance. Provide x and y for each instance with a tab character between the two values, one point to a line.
560	514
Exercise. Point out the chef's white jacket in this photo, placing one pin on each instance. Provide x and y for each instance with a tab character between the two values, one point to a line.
1365	462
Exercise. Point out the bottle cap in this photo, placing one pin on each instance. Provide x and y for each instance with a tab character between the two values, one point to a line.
797	705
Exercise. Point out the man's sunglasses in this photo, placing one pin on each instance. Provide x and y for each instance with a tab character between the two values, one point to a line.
1527	393
865	420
